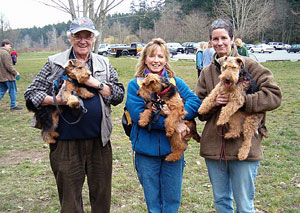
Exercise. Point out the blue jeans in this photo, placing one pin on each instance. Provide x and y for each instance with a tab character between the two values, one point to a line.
161	181
12	91
237	182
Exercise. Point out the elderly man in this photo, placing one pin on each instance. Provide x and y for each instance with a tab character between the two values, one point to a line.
82	149
8	75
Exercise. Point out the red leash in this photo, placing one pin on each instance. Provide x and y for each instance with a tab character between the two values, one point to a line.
223	153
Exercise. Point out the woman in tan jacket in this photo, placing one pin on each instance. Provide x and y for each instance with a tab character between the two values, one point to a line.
232	179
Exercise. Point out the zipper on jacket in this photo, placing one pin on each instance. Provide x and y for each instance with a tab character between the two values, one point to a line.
159	145
137	135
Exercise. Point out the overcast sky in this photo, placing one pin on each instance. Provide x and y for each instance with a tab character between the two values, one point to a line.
29	13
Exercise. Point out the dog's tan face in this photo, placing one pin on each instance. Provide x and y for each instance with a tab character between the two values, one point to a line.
78	70
151	83
230	68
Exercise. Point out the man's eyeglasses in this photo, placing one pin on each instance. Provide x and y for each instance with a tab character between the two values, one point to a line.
85	38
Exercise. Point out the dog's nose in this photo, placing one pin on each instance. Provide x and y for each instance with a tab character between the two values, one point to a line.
227	79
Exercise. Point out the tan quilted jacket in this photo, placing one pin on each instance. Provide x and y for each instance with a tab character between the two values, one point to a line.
7	71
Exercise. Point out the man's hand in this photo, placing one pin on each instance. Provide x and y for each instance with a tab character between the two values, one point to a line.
94	83
48	100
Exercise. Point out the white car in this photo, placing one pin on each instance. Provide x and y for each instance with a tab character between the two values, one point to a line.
248	46
277	45
262	48
176	46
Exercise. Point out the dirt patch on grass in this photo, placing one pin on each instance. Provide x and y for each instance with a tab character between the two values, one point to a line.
15	157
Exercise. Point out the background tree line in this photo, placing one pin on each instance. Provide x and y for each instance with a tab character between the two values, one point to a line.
175	20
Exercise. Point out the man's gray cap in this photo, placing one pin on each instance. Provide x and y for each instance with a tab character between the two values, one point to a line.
83	23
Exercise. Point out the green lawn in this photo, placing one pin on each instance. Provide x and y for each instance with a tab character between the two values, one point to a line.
28	185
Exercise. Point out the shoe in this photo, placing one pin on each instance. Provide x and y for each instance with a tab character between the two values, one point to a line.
16	108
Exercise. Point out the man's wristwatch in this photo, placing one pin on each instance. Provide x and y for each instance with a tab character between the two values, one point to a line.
101	86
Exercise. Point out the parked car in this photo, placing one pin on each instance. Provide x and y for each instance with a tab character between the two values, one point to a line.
177	46
187	45
294	48
277	45
262	48
192	47
112	48
172	52
103	49
248	46
131	50
287	46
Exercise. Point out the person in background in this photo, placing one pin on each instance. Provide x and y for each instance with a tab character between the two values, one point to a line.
199	57
82	149
231	179
242	50
8	75
161	180
14	57
208	55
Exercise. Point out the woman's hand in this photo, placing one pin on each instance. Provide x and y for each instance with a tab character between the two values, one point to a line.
222	99
166	109
182	129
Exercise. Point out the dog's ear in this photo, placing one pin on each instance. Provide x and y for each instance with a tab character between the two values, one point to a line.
221	60
71	63
149	81
240	61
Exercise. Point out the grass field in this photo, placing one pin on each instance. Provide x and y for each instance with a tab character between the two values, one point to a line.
28	185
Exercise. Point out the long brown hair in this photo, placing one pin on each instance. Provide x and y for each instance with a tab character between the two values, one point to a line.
149	49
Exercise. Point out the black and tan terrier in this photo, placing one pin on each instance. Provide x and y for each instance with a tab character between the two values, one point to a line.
154	89
76	72
235	81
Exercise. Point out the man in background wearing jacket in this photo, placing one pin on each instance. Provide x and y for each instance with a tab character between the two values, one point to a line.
8	75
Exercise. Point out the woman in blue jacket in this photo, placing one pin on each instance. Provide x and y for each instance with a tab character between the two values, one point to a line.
161	180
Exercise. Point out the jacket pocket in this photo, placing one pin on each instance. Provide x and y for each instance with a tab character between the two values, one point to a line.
100	75
108	118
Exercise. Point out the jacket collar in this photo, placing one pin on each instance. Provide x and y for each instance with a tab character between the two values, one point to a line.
234	53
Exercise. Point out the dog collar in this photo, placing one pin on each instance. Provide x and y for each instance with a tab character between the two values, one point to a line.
164	91
66	78
242	80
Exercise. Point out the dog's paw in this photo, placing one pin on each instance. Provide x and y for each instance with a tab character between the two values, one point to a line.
201	110
90	95
74	104
243	153
231	135
221	122
54	134
49	139
172	158
143	123
169	132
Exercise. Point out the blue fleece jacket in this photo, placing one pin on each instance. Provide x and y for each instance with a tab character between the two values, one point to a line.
155	142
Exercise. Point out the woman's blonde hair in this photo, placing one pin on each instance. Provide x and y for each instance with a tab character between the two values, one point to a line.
202	45
149	49
238	42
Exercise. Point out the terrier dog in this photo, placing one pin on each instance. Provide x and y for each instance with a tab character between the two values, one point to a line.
77	72
157	91
235	81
